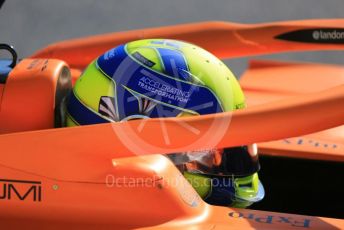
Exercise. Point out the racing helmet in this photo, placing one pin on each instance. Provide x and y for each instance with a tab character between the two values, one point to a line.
168	78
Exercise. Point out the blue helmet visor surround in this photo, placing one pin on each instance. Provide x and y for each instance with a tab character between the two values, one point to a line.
136	83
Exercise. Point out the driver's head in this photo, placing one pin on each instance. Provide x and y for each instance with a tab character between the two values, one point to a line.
169	78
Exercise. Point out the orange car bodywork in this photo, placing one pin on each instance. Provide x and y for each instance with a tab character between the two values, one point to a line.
107	192
223	39
267	81
28	97
130	193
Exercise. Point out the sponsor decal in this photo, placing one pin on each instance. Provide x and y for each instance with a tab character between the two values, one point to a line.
38	63
308	142
164	90
273	219
320	35
143	59
20	190
45	65
33	64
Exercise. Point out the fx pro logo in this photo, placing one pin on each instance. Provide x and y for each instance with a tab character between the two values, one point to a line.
20	190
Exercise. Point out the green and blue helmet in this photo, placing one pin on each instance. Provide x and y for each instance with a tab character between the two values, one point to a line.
166	78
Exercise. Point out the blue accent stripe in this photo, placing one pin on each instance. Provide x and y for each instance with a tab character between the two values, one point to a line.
174	63
81	114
